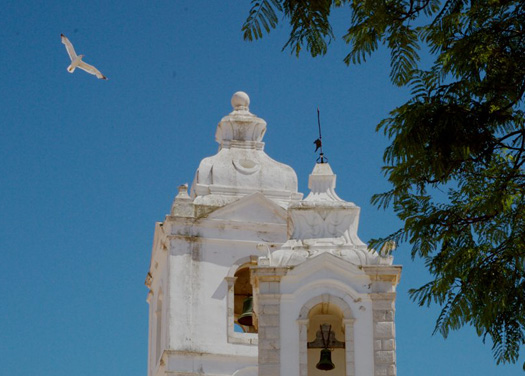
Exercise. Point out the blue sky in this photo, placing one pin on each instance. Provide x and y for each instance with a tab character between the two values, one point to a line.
88	166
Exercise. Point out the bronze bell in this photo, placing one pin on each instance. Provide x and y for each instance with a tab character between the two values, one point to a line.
325	363
245	318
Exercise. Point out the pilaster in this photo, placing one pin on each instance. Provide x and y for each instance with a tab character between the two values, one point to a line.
383	307
350	350
267	299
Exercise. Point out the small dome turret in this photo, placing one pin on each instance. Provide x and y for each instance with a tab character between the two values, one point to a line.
241	166
321	223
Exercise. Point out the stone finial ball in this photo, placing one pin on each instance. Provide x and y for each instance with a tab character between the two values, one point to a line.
240	100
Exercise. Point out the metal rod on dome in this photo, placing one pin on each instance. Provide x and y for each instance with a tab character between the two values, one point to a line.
319	122
319	142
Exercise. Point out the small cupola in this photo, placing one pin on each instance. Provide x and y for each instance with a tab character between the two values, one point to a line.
241	167
323	222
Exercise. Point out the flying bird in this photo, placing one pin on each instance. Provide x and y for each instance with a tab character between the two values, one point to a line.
76	60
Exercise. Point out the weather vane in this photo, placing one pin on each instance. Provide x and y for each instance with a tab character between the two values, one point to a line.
319	143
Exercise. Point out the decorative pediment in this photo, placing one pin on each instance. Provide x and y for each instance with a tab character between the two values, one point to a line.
327	269
255	208
326	263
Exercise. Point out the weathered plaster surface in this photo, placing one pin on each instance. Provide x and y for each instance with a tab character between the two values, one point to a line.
242	202
324	262
238	200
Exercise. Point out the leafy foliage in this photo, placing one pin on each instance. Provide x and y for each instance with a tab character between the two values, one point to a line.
309	21
457	154
261	14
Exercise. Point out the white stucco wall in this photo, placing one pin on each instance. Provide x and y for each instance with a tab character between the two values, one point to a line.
239	198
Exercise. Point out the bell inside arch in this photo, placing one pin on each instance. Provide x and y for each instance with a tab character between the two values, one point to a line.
246	317
325	363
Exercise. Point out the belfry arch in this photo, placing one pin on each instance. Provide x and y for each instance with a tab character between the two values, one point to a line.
323	310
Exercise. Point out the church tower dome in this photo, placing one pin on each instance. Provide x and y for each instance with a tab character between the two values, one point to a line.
241	166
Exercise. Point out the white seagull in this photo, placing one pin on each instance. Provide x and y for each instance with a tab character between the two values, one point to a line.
76	60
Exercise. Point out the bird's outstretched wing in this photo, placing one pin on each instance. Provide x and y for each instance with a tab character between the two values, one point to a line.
91	69
69	47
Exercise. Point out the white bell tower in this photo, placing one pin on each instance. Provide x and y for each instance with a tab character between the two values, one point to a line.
199	276
324	302
218	307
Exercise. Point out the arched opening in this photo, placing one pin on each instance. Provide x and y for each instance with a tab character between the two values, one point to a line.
326	330
242	297
239	288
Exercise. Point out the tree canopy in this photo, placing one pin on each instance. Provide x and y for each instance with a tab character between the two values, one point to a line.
462	133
